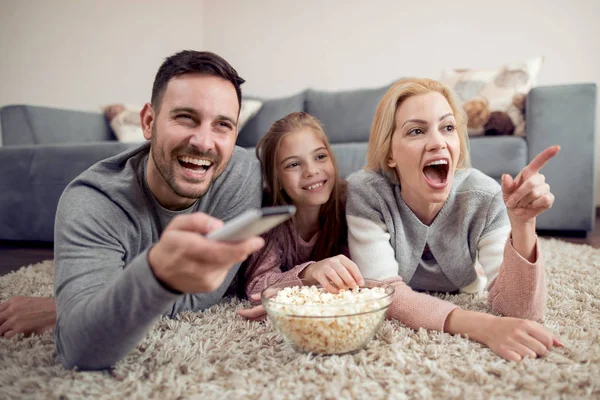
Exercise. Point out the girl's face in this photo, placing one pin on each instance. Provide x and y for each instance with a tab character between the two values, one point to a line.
425	148
305	168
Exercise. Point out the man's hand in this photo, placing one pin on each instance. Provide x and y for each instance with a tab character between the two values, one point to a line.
184	260
333	273
528	195
28	315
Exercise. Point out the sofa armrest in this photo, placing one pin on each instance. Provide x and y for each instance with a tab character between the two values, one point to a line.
33	179
566	115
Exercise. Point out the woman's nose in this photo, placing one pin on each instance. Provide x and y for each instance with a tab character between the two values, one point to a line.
436	141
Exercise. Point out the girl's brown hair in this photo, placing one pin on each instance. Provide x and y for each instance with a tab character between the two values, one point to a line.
332	218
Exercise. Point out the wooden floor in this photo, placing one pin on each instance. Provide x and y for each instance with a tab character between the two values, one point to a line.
14	255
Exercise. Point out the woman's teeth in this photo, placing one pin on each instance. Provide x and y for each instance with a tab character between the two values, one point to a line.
438	162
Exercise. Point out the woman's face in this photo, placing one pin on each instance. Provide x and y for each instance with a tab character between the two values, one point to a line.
425	148
305	168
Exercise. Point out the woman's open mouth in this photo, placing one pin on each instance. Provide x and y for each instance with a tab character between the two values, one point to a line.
436	173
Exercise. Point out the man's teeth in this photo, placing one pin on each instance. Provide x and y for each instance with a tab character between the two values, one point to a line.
315	186
195	161
438	162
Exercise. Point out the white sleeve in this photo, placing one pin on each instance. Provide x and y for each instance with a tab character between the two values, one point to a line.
490	251
370	248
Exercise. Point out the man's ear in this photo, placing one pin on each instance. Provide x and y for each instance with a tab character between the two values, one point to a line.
147	117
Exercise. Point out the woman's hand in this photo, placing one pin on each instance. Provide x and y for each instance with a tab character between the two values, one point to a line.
515	339
528	195
333	274
510	338
28	315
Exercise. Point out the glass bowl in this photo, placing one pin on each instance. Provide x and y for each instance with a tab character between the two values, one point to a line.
340	328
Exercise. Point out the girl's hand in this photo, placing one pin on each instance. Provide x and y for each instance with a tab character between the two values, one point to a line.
333	274
515	339
528	195
256	313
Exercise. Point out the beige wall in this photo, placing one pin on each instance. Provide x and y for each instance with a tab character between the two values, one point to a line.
82	54
281	47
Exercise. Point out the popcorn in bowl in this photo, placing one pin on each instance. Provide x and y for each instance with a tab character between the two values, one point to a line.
314	320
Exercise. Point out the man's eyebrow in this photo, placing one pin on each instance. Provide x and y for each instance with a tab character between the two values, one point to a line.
194	112
183	109
421	121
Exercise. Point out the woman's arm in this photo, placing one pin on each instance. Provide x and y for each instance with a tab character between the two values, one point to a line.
519	289
370	247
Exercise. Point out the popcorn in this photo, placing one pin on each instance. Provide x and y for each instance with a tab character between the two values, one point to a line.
317	321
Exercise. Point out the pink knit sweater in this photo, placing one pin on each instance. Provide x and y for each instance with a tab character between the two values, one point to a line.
269	271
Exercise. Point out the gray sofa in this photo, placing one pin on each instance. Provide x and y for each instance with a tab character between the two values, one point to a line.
43	149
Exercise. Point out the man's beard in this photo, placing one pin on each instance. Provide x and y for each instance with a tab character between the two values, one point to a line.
165	167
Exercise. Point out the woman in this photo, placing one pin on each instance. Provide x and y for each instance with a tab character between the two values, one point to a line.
420	218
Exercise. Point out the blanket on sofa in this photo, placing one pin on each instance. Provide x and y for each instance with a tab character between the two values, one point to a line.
216	354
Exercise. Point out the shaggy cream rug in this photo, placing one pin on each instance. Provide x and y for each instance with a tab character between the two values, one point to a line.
218	355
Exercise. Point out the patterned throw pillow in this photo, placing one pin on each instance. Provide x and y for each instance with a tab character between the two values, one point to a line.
127	126
494	98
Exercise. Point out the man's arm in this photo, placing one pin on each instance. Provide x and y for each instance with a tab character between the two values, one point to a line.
104	307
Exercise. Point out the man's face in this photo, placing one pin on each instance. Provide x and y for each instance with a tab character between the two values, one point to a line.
193	137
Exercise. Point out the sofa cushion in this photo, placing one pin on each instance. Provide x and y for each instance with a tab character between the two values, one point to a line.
494	98
26	125
33	179
350	157
346	115
497	155
271	111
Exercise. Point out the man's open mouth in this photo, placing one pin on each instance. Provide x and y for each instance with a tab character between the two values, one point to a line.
436	171
198	165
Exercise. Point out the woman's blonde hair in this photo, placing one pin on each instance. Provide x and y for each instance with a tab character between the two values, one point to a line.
384	122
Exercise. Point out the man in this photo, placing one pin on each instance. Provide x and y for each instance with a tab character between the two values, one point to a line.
129	243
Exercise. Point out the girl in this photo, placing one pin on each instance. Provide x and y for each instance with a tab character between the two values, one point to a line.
299	168
419	217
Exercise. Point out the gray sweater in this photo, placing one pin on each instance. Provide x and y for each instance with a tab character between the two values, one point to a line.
107	219
439	257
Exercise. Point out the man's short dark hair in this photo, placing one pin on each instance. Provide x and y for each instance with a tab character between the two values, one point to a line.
191	61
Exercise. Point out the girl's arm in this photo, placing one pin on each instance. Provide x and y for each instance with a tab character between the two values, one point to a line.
268	272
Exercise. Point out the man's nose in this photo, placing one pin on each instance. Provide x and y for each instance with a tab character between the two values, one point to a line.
203	138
